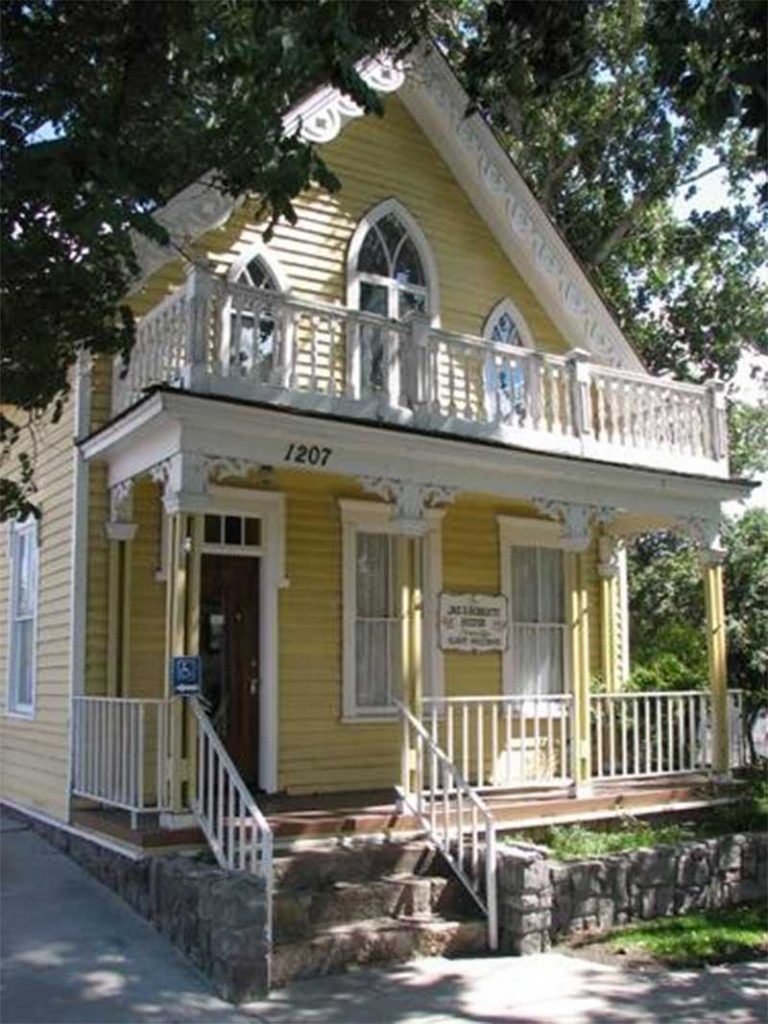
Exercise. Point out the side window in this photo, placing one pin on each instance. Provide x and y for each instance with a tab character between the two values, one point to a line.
23	617
537	617
377	622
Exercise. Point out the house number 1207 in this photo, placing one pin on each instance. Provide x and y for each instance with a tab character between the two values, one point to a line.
310	454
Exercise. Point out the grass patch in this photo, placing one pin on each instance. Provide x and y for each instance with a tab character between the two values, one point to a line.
571	842
711	936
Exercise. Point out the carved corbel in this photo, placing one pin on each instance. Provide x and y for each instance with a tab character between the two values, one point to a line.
411	498
121	502
183	479
609	549
705	534
576	519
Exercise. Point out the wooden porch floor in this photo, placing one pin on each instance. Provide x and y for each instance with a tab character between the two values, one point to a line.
373	812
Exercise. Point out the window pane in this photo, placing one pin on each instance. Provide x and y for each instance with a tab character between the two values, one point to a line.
524	585
374	298
373	659
551	660
257	275
253	531
505	330
372	357
391	231
25	573
551	596
372	258
212	532
23	641
374	575
233	530
408	269
410	302
524	659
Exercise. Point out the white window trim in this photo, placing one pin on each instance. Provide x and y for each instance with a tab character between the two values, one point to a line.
376	517
506	305
16	529
418	238
517	531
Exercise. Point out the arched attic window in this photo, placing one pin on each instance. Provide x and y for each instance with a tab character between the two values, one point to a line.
391	273
253	335
506	379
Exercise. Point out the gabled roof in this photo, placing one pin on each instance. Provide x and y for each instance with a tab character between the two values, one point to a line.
435	98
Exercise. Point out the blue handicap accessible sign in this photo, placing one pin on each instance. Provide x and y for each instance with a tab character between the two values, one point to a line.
185	675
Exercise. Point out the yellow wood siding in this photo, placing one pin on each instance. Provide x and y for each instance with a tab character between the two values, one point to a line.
34	754
97	595
147	625
375	159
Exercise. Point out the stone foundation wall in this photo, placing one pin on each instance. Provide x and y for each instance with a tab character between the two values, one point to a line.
217	918
541	899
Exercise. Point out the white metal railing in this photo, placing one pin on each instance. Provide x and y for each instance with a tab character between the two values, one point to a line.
452	813
120	752
505	741
237	832
268	345
659	733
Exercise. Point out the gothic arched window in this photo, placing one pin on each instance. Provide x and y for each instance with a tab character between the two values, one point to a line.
253	332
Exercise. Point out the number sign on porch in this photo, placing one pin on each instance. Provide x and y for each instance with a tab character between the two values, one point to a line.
473	622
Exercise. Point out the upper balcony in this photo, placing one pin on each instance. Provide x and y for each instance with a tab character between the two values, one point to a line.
226	339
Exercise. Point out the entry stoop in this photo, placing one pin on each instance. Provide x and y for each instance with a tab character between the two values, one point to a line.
340	906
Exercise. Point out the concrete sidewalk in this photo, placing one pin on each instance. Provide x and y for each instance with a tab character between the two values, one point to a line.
73	952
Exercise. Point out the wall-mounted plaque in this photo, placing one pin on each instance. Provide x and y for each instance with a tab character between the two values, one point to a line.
473	622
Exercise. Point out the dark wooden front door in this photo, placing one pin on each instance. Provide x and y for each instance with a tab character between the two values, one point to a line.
229	646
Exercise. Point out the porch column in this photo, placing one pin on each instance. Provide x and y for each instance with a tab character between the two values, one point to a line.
610	550
578	622
711	561
182	637
120	534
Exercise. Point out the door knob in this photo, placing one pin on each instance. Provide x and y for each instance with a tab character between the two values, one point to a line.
253	686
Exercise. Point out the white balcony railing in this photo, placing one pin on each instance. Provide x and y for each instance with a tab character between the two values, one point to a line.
227	338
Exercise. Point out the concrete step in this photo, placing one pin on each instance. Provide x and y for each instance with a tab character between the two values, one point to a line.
339	947
359	862
299	913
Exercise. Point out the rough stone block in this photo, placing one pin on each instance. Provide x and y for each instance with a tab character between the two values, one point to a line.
654	867
693	866
657	902
588	878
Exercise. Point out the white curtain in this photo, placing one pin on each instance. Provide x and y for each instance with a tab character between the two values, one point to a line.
377	624
537	612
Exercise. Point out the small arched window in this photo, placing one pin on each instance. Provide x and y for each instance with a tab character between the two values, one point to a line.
506	379
257	274
252	328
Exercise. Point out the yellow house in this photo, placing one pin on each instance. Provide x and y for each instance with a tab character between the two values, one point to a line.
376	475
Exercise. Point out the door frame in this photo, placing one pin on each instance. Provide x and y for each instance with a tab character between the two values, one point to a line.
269	506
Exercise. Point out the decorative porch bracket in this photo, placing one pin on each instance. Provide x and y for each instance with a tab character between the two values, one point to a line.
576	519
412	498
